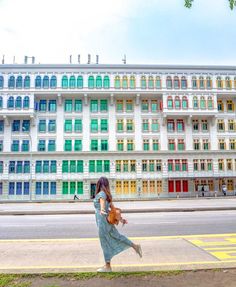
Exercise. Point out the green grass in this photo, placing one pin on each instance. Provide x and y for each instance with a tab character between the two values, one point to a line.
12	281
21	280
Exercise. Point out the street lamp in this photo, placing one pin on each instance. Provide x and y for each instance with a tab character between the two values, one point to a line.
30	183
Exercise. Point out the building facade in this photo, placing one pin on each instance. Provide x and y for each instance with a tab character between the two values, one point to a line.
154	131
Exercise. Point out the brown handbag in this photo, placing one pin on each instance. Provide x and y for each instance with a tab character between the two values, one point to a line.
114	215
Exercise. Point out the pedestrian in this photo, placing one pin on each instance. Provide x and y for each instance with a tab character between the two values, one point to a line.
224	189
203	191
112	242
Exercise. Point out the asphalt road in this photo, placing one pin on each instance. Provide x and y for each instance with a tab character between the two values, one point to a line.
140	224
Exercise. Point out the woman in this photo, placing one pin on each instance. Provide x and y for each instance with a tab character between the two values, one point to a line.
112	242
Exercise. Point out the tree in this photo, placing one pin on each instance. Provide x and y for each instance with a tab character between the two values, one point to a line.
189	3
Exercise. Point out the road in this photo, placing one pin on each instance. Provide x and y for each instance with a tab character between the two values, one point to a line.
140	224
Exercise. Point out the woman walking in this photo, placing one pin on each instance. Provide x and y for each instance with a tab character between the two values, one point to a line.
112	242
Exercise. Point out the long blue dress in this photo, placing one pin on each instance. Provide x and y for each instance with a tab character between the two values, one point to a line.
112	242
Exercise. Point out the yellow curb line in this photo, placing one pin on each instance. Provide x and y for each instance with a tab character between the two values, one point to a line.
121	265
133	238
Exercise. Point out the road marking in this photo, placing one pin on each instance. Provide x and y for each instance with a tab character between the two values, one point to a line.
221	248
132	238
221	253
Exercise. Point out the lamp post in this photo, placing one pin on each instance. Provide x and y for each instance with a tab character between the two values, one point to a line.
30	183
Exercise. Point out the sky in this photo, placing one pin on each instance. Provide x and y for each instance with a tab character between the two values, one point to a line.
147	32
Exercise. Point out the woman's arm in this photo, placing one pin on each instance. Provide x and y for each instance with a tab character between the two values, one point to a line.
102	205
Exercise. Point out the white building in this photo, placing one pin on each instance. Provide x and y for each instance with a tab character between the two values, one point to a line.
152	130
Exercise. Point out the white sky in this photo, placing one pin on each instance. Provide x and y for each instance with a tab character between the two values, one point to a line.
150	31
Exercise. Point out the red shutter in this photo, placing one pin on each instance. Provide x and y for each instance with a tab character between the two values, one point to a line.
161	107
171	185
178	186
185	186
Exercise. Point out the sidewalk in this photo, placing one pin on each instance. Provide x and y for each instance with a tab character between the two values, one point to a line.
77	207
85	255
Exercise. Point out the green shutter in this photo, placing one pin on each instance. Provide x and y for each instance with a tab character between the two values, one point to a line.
65	166
104	125
65	187
72	166
99	166
80	166
78	145
72	187
103	106
92	166
80	187
106	166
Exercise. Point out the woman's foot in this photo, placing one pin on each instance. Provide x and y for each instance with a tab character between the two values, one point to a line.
138	250
104	269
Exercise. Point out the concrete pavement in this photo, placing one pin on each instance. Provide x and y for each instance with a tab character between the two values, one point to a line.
83	255
79	207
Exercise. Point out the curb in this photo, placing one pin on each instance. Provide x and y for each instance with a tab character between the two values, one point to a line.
150	210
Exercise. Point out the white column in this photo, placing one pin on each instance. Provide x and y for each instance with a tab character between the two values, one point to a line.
112	124
60	124
163	134
189	134
213	134
7	141
86	124
138	124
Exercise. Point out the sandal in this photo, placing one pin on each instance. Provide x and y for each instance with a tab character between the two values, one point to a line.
104	269
139	251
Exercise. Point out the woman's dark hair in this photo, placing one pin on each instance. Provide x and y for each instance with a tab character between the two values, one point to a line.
103	184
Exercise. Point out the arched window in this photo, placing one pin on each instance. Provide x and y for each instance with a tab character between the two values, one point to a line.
143	82
209	82
169	103
150	82
177	103
194	82
210	103
219	83
183	83
38	82
26	102
158	82
11	82
53	82
106	82
169	82
202	103
195	103
19	82
1	102
45	82
228	84
64	82
201	83
72	82
132	82
91	82
80	82
10	103
176	82
98	82
184	102
27	82
117	82
1	82
125	82
18	103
